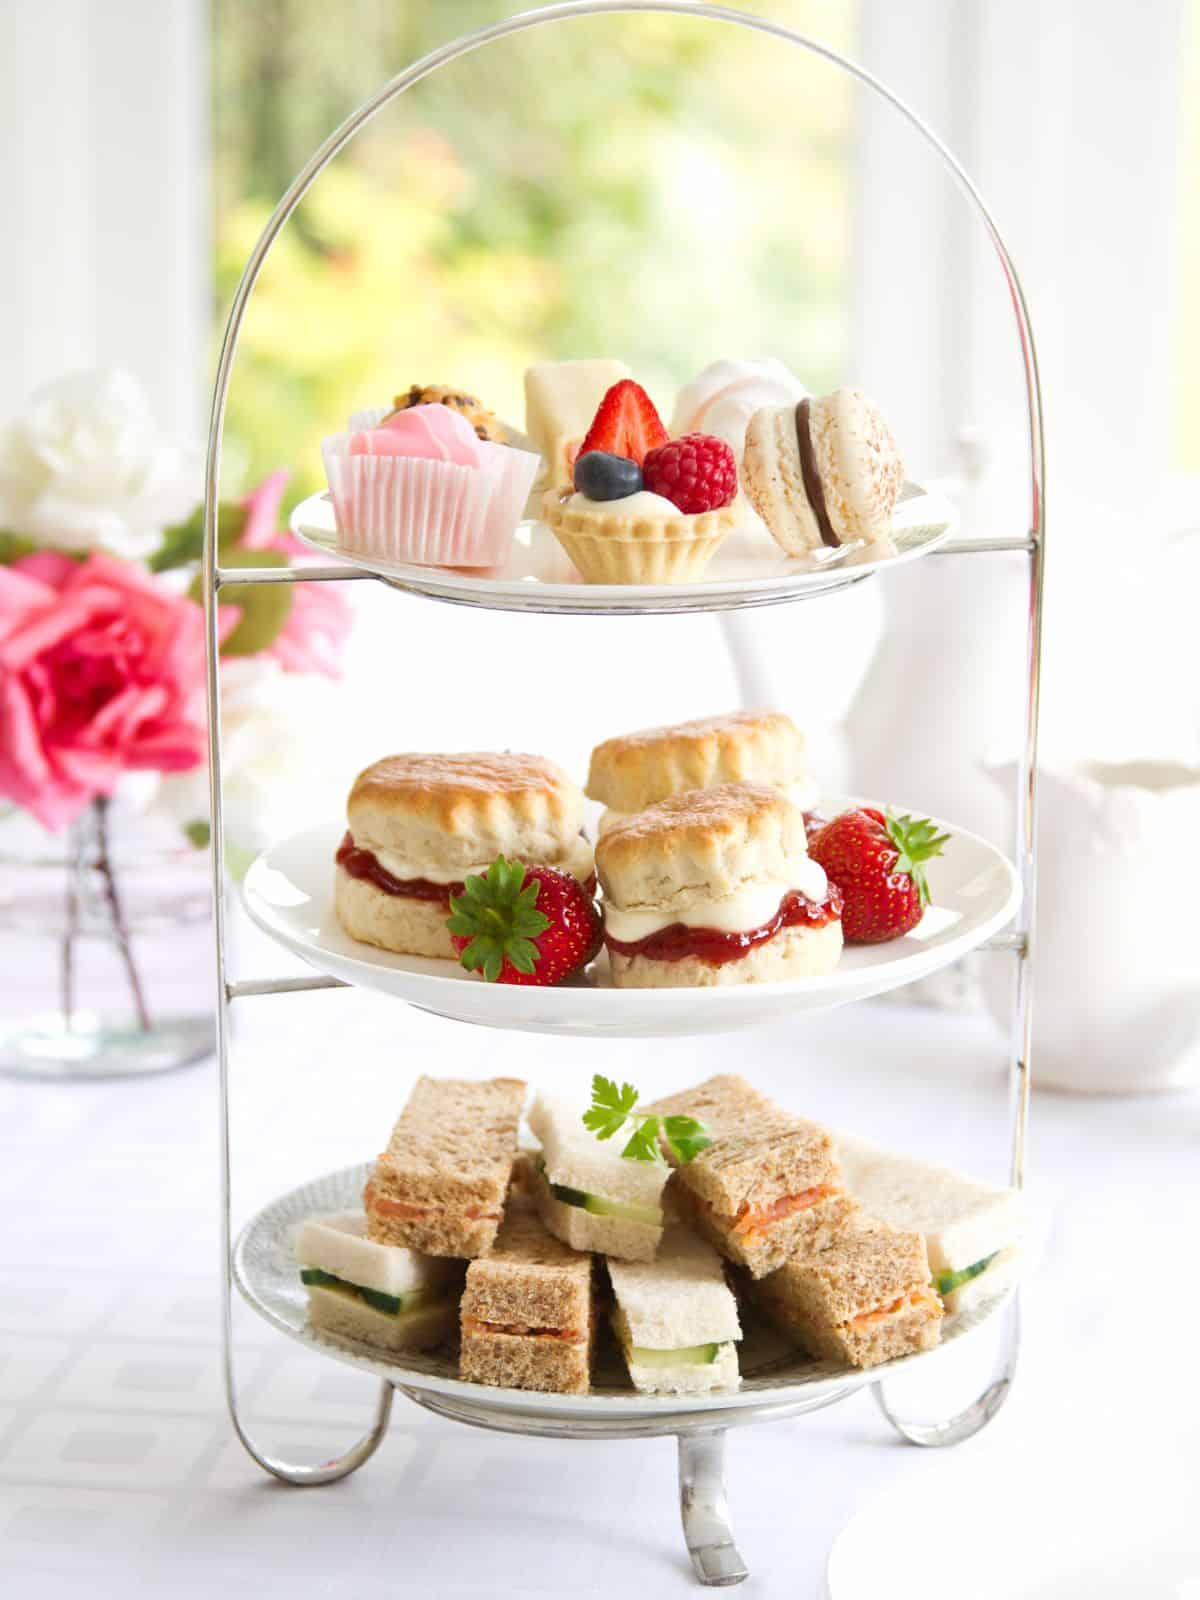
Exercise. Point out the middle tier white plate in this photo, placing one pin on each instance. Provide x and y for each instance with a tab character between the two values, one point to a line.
288	892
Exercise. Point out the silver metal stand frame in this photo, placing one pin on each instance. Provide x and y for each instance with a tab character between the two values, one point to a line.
701	1438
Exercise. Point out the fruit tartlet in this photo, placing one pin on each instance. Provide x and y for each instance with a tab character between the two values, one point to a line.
643	508
715	886
422	487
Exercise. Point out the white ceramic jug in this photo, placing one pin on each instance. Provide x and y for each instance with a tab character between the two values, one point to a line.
1117	979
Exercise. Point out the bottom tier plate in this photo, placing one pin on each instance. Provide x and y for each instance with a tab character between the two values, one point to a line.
773	1372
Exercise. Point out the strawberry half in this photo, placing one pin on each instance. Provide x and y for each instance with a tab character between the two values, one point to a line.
626	424
877	862
525	925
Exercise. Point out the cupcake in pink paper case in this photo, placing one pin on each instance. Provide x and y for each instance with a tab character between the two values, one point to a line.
421	488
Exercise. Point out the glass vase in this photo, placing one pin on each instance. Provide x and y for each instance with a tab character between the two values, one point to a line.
104	938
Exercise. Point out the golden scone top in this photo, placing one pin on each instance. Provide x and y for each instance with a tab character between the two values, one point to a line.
466	808
639	769
704	843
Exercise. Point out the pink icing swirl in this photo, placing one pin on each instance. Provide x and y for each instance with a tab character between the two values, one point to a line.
426	433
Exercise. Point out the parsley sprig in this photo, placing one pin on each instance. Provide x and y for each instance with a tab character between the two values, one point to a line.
613	1108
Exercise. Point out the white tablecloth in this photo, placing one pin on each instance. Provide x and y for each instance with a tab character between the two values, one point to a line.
119	1474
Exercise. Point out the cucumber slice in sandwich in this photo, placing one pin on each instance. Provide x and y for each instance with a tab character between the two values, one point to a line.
648	1216
392	1305
946	1282
695	1355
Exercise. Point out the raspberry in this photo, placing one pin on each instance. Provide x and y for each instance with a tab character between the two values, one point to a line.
695	473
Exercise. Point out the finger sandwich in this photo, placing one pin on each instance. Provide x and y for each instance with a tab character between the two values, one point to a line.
768	1186
586	1194
440	1185
971	1230
419	824
634	771
378	1294
865	1299
676	1318
526	1312
716	886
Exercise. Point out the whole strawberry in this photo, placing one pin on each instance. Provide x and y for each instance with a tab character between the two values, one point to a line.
527	925
695	473
877	862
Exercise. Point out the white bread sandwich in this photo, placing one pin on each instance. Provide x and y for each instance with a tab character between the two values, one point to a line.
768	1186
561	398
865	1299
637	770
419	825
676	1318
716	886
379	1294
440	1185
971	1230
527	1319
586	1194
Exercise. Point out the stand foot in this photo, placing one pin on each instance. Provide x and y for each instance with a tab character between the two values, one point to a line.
308	1477
979	1413
705	1511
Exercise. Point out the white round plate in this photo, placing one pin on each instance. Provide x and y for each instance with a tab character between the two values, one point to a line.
748	570
267	1275
288	892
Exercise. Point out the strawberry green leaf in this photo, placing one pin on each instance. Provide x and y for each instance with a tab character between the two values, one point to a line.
497	913
917	841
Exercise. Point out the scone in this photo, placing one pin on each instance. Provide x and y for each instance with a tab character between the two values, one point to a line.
637	770
419	824
823	473
716	886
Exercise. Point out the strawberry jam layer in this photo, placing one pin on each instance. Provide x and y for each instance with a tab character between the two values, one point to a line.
360	863
678	942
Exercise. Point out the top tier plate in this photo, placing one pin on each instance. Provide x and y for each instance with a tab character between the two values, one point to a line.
748	570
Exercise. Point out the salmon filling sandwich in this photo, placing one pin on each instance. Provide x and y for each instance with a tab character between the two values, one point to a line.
526	1312
440	1185
865	1299
767	1186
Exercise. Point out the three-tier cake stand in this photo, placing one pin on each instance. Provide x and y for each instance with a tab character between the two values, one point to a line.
254	1263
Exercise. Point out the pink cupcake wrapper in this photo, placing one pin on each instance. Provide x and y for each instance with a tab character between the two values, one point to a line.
428	513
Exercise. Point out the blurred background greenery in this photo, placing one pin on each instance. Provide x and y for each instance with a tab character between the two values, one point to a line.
661	190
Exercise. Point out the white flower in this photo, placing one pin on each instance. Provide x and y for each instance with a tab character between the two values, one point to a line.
281	762
87	466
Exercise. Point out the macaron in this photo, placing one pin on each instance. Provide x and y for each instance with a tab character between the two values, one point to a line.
824	472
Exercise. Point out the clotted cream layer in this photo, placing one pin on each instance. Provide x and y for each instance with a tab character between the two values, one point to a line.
576	859
750	907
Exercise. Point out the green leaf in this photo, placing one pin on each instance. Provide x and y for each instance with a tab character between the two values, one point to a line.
606	1093
917	841
643	1142
686	1138
13	546
183	543
265	607
603	1122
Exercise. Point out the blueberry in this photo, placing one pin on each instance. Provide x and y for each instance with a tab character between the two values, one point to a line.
601	476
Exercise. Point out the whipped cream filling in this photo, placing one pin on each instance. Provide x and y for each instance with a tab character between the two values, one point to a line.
750	907
575	859
642	504
802	792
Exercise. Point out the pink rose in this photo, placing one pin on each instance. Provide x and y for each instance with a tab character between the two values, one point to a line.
319	622
101	672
